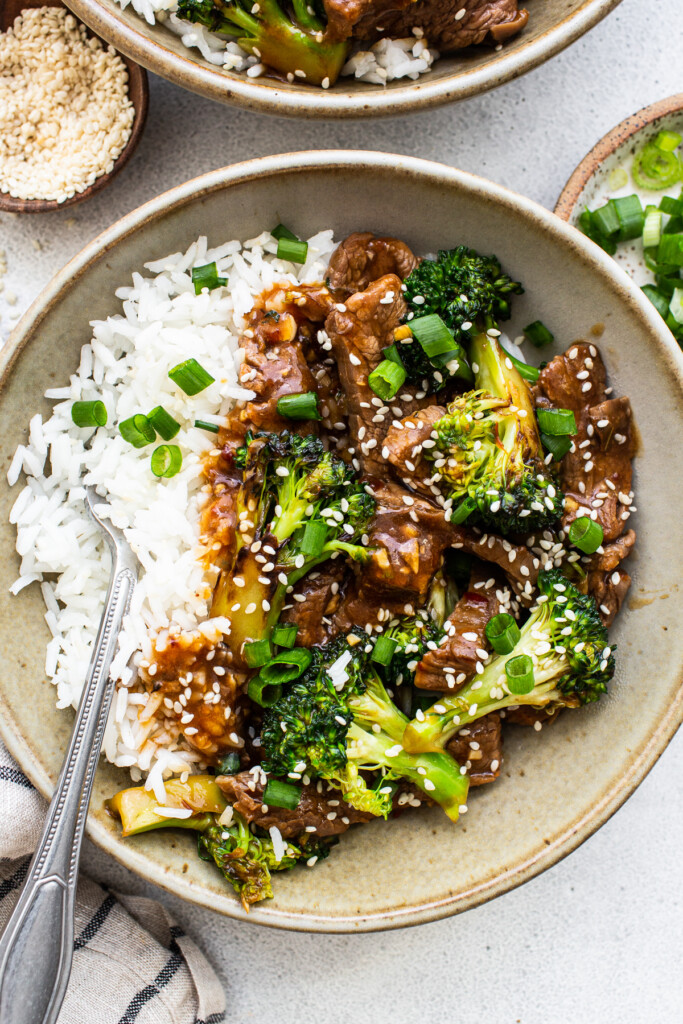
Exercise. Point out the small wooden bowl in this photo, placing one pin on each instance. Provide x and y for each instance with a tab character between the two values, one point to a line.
138	90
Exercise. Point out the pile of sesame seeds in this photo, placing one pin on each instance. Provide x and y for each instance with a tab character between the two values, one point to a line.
65	112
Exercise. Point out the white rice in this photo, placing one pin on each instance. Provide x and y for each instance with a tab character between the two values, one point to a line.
385	61
125	365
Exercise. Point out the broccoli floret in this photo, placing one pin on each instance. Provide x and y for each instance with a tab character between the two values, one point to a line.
304	505
469	292
337	722
572	665
488	457
413	635
289	42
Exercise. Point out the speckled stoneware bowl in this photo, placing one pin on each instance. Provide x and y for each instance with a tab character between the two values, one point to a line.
557	786
553	25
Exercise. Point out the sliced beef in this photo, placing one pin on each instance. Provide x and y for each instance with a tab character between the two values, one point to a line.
326	811
361	259
518	563
612	554
526	715
607	581
596	476
315	598
458	651
402	447
358	330
479	746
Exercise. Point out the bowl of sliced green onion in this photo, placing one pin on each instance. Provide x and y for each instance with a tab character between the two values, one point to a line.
626	195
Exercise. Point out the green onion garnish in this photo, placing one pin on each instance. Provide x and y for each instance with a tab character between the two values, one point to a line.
230	764
676	305
282	232
655	168
292	249
589	229
658	300
523	369
538	334
652	228
392	353
670	250
668	141
502	632
314	537
432	334
89	414
190	377
520	674
287	665
463	511
284	634
203	425
257	653
166	460
137	430
558	445
671	206
556	421
605	219
586	534
262	692
163	423
386	379
383	651
301	406
206	277
629	210
281	794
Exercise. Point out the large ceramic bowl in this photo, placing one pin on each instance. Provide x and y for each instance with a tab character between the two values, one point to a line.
557	786
553	24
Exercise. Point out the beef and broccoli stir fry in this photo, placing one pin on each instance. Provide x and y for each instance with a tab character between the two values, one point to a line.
420	540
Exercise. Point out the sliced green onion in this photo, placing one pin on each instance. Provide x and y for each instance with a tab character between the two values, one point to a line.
392	354
203	425
433	335
137	430
263	692
520	674
257	653
670	250
629	210
282	232
301	406
671	206
526	371
463	511
586	534
386	379
190	377
287	665
281	794
658	300
206	277
89	414
618	178
556	421
230	764
652	228
502	632
538	334
284	634
668	141
292	249
655	168
166	460
557	444
163	423
605	219
383	651
676	305
313	540
585	222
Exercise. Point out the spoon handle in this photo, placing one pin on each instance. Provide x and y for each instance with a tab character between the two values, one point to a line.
36	947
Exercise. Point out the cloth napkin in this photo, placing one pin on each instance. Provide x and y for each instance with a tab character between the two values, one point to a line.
132	964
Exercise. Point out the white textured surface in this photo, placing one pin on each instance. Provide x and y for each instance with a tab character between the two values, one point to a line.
597	939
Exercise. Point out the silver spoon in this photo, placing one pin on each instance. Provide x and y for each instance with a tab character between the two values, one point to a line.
36	947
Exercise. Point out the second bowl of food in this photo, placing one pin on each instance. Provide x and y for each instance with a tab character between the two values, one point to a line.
340	58
400	590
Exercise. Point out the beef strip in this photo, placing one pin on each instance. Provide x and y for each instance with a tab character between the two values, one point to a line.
371	19
322	592
596	476
606	581
518	563
361	259
479	745
403	448
458	651
326	811
527	715
358	331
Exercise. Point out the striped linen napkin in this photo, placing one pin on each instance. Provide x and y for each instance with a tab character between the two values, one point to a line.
132	964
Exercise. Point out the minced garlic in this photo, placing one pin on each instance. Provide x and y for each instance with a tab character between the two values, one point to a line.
65	113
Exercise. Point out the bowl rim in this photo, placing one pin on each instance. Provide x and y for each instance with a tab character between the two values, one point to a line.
317	103
608	144
644	757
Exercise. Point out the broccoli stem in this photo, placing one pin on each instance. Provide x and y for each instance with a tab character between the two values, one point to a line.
503	381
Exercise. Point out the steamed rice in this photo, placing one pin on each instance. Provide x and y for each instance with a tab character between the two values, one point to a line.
125	365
